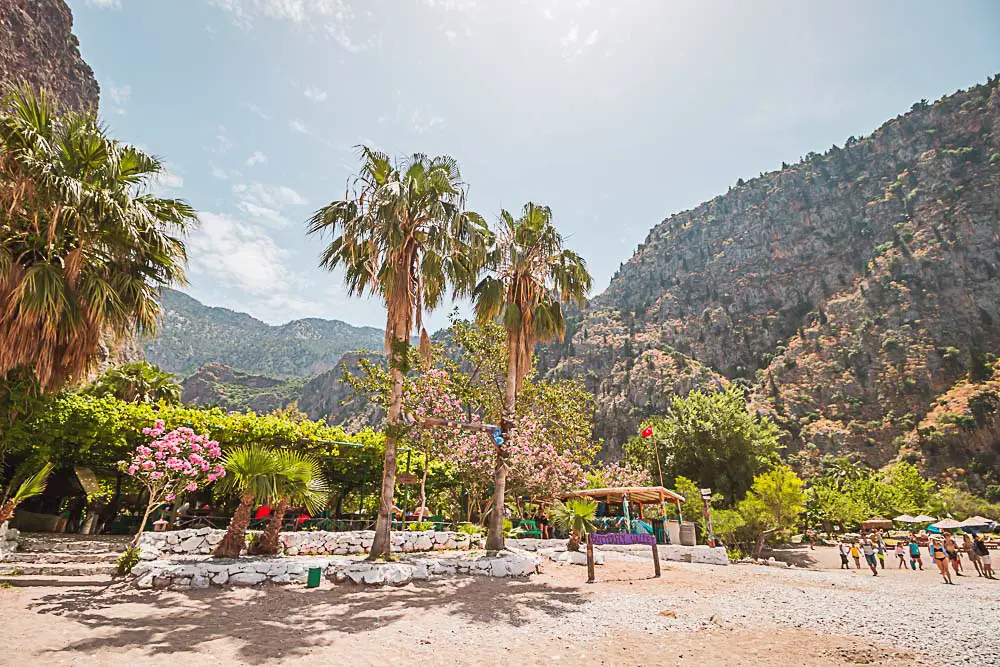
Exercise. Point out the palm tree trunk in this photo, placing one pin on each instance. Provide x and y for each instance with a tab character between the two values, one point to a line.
232	543
494	534
269	541
381	541
7	510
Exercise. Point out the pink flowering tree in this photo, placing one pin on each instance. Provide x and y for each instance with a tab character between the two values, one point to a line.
539	468
617	474
171	463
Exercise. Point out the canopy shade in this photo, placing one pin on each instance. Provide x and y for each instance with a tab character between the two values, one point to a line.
905	518
922	518
877	522
976	521
644	495
947	524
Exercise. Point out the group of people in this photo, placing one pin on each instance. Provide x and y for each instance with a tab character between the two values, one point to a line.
944	551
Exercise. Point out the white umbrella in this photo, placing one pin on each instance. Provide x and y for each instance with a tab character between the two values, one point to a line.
923	518
974	521
905	518
947	524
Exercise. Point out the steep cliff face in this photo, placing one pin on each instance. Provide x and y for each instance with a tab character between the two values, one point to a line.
849	289
37	44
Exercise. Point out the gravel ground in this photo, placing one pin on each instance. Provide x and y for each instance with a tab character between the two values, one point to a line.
692	615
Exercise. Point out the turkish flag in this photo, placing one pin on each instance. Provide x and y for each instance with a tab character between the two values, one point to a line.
647	432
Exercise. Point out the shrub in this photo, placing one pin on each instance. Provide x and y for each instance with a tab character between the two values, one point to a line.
470	529
420	525
127	560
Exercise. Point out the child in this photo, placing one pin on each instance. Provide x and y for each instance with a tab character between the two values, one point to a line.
901	555
915	555
844	564
856	555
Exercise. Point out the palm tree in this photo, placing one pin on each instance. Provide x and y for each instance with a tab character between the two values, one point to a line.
251	472
31	485
530	276
576	516
139	382
299	482
402	233
84	245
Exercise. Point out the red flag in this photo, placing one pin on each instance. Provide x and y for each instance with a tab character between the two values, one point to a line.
647	432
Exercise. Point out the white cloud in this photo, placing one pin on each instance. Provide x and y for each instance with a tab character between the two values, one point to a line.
335	17
315	94
240	255
572	45
257	111
222	142
298	126
268	216
265	203
256	158
105	4
422	123
220	173
166	180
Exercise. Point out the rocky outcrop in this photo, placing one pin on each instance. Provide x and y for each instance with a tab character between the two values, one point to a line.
37	45
328	397
848	289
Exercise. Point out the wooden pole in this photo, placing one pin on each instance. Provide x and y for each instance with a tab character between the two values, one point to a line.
591	577
656	558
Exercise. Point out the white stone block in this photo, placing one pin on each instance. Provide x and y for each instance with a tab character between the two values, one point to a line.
246	578
220	578
199	581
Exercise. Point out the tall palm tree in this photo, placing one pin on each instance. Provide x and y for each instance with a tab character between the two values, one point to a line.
402	233
299	482
530	276
84	245
139	382
251	472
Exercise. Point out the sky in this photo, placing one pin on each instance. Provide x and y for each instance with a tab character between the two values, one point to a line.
614	114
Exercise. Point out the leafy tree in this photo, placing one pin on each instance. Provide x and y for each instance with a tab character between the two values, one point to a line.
617	474
726	524
251	472
84	246
140	382
575	516
774	503
833	507
711	438
692	507
299	481
402	233
530	276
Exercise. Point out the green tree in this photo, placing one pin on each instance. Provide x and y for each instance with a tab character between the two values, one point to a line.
575	516
530	276
774	503
402	233
832	506
298	481
139	382
711	438
84	245
252	473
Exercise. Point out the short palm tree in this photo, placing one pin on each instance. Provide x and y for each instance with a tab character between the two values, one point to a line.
84	245
530	276
22	489
251	472
575	516
402	233
299	482
139	382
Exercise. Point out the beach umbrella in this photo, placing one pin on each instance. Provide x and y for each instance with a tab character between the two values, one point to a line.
923	518
975	521
947	524
905	518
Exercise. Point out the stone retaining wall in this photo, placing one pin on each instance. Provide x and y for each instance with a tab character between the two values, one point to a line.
697	554
421	568
202	573
201	541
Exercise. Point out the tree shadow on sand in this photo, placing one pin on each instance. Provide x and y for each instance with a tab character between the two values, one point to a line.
274	622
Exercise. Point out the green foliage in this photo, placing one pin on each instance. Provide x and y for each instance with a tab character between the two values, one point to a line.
575	516
24	486
846	493
126	561
139	382
959	503
711	438
251	470
420	525
470	529
726	525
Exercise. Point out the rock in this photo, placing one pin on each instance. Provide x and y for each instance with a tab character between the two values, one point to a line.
247	578
160	583
148	553
145	581
173	538
397	575
191	544
373	576
220	578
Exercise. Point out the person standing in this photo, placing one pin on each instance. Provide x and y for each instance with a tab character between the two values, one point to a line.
844	564
856	555
880	549
900	555
939	557
984	556
951	549
915	554
970	551
869	550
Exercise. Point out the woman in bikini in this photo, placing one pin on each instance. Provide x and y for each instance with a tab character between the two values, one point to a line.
951	549
940	558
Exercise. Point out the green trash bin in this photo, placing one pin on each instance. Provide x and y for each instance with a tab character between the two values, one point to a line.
313	579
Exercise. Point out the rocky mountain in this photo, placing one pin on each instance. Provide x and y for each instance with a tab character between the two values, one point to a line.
192	334
850	290
37	45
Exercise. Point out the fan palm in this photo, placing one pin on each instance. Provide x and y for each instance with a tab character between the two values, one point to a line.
530	276
575	516
298	482
252	472
140	382
84	245
402	233
25	488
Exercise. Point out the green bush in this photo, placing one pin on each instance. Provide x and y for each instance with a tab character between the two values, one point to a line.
420	525
470	529
127	560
